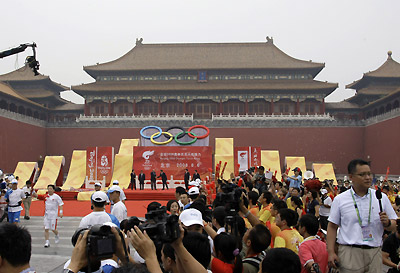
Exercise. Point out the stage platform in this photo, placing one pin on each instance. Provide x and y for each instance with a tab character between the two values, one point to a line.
136	195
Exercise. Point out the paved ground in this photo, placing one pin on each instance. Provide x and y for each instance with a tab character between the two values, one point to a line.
53	258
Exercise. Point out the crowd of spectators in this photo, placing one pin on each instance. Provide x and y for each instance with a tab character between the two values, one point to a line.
250	223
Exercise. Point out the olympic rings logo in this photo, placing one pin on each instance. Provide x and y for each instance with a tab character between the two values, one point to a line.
171	137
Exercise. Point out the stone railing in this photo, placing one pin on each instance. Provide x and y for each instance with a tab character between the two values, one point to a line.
326	117
141	117
22	118
382	117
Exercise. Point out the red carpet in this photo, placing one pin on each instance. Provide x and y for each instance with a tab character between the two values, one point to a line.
79	208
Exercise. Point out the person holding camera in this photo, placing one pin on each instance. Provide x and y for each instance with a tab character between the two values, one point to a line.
29	192
99	215
14	198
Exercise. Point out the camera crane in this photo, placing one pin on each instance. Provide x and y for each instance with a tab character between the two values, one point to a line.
30	60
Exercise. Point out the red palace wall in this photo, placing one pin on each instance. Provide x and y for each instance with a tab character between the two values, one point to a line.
20	142
382	144
24	142
339	145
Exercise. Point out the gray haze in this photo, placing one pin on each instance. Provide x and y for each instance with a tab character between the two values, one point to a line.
350	36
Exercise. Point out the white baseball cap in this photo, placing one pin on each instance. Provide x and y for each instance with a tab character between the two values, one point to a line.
14	181
194	183
115	182
114	188
323	191
97	184
99	196
190	217
193	190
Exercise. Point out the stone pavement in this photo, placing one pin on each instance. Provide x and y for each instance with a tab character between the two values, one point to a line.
50	259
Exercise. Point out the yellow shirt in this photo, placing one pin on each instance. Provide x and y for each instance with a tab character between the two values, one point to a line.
289	203
288	238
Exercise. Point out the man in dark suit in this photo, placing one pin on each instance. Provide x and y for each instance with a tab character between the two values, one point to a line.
164	179
186	178
142	177
133	180
196	175
153	178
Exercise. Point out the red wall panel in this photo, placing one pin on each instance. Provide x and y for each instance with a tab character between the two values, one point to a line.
20	142
382	145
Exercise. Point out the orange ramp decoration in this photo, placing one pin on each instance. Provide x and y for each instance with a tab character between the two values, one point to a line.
324	171
270	160
224	152
50	171
24	171
122	169
126	147
77	171
293	162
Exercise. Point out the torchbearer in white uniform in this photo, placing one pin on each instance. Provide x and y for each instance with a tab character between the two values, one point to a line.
14	198
51	213
119	209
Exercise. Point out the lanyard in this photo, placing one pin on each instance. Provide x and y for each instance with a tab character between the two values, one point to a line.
358	212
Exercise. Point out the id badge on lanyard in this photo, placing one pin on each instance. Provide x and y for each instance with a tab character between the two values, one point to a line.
366	230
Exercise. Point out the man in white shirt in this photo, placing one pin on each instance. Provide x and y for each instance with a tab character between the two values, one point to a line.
357	212
325	209
52	202
98	216
119	209
14	198
122	196
29	192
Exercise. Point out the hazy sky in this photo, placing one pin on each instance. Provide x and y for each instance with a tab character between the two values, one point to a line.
350	36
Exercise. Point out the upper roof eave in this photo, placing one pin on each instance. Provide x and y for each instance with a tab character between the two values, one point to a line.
167	86
207	56
8	90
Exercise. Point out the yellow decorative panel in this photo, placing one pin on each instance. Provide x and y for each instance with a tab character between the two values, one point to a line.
122	169
77	171
50	171
293	162
324	171
127	145
270	160
229	166
24	171
224	146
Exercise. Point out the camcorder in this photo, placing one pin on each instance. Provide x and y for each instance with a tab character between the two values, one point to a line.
100	241
161	227
230	197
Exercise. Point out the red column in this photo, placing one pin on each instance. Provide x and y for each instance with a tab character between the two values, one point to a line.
297	107
159	107
184	107
86	111
246	107
220	107
272	107
134	107
322	110
109	108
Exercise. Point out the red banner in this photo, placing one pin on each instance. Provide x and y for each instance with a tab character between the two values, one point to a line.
99	165
172	160
246	157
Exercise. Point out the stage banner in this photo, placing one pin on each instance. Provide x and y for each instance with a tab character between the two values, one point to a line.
99	165
246	157
172	160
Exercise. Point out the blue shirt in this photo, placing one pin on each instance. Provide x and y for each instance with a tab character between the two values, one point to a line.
295	182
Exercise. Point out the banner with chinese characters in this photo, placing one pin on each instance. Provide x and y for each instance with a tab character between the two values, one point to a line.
99	165
172	160
246	157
